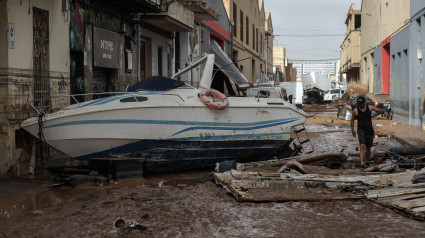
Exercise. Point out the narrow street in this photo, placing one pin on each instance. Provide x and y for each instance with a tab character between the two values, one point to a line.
176	205
206	118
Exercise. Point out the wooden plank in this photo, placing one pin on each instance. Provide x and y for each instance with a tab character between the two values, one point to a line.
375	194
396	179
224	178
396	189
419	210
401	198
248	184
410	204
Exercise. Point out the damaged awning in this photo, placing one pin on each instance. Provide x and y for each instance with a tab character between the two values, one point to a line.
227	66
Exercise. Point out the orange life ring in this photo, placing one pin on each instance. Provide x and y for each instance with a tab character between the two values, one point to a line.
223	104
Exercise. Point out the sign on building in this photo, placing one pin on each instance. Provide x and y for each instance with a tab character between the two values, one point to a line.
11	36
106	46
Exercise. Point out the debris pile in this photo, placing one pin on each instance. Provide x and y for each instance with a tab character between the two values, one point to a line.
353	90
324	177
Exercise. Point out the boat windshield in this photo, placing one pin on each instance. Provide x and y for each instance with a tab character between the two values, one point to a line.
157	83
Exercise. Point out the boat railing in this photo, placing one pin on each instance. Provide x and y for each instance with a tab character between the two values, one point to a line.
62	101
141	92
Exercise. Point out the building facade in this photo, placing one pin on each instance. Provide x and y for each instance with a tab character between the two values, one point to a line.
249	38
350	48
380	21
325	69
57	48
279	62
34	69
407	84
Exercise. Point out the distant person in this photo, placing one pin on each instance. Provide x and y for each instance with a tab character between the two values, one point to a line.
363	114
290	99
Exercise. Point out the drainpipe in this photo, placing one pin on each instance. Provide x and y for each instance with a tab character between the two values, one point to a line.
138	53
232	25
267	54
137	23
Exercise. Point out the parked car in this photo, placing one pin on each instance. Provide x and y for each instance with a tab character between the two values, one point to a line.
333	94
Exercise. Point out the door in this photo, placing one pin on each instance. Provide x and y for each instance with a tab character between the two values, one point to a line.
76	76
143	57
386	66
159	60
41	59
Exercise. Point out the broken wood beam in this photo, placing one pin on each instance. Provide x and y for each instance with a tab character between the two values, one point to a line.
315	159
293	164
393	192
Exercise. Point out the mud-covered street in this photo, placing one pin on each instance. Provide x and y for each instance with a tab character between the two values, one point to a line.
176	205
183	208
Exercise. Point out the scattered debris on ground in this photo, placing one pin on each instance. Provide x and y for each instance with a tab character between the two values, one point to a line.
75	179
324	177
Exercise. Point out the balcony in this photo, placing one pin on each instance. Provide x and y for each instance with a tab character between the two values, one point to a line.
350	53
202	11
176	17
133	6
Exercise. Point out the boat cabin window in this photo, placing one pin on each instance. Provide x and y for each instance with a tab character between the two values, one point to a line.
133	99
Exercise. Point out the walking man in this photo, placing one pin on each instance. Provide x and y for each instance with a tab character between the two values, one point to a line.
365	130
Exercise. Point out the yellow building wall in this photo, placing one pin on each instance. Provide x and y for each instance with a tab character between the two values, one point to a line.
249	56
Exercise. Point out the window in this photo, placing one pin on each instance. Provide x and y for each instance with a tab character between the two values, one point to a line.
159	60
134	99
21	138
256	39
247	30
241	26
253	36
235	19
261	45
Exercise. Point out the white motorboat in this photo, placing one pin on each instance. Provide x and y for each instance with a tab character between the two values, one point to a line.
172	129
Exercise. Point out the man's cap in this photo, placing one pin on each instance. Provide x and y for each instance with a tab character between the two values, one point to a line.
360	99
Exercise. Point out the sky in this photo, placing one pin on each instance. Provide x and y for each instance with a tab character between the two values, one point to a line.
309	17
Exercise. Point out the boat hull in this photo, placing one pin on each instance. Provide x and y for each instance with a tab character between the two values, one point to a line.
169	132
169	155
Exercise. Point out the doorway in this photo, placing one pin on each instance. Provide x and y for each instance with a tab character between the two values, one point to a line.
386	50
41	59
159	60
76	76
143	57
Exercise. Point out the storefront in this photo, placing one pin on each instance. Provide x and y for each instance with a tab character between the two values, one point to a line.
101	52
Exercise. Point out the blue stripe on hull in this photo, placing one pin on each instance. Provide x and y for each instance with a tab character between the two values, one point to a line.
166	156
